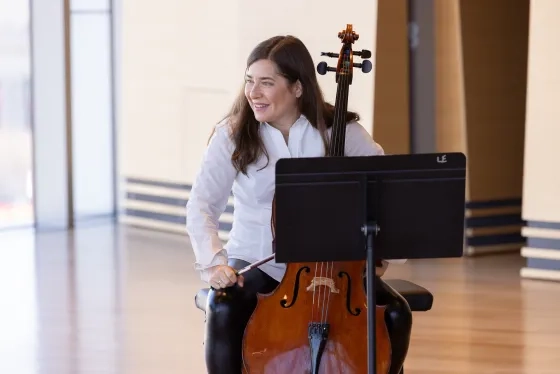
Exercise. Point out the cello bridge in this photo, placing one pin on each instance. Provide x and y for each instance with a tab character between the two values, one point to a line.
323	281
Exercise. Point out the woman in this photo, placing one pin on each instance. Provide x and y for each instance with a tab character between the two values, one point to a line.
280	113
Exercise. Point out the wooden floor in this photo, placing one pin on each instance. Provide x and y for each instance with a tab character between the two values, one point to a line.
107	300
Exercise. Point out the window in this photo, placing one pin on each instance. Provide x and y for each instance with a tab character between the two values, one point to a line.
16	146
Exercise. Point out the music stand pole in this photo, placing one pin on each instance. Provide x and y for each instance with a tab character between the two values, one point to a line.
370	230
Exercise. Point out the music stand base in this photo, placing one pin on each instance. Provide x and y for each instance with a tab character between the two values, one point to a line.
371	229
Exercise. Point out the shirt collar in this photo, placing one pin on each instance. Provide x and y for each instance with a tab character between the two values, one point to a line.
302	121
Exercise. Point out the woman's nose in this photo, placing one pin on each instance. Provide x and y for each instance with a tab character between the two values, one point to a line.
255	92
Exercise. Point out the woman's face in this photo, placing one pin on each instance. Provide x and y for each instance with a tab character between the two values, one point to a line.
271	96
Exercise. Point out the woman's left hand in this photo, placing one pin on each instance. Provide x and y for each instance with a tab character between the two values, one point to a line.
380	271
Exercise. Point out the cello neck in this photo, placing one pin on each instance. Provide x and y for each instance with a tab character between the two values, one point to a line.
344	73
338	134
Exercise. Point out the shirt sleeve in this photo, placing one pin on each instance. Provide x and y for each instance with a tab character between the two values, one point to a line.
360	143
208	199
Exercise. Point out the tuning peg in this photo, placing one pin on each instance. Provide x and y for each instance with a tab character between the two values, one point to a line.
323	68
329	54
364	53
366	66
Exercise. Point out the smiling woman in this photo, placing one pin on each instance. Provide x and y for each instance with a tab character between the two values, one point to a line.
273	98
281	85
280	113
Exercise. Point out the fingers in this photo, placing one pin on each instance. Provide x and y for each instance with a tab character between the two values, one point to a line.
223	277
215	284
380	271
229	276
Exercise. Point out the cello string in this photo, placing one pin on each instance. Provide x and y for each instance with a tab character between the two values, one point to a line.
322	295
334	151
324	291
340	136
313	310
338	147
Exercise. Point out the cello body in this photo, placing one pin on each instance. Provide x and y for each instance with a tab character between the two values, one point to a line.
293	332
315	321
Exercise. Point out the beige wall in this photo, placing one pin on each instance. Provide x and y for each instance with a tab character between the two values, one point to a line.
494	39
494	43
391	107
177	80
450	89
182	64
541	184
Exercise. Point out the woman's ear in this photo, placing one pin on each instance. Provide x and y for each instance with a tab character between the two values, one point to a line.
299	89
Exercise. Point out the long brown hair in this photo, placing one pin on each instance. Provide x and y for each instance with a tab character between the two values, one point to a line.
294	62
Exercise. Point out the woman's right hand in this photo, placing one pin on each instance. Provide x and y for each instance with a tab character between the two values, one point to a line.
222	276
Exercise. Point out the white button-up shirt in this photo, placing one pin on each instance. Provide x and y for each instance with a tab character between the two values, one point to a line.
250	238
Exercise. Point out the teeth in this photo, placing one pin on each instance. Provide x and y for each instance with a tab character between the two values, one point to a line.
260	105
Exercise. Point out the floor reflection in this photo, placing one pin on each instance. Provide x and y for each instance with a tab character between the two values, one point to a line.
103	299
18	304
111	299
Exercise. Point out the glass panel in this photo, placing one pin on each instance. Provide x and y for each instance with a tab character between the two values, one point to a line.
92	124
89	5
16	186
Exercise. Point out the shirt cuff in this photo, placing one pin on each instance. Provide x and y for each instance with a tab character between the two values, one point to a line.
399	261
220	258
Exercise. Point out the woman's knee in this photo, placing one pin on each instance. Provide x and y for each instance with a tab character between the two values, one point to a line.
399	311
397	308
225	320
229	306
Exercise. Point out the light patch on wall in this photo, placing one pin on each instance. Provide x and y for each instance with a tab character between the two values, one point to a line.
201	109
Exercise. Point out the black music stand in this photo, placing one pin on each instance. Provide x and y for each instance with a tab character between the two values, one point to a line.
369	208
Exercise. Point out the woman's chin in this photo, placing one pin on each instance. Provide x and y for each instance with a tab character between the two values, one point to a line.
261	117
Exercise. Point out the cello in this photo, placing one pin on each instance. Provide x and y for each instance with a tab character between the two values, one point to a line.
315	321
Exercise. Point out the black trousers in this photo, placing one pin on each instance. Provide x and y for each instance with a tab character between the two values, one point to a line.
228	311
